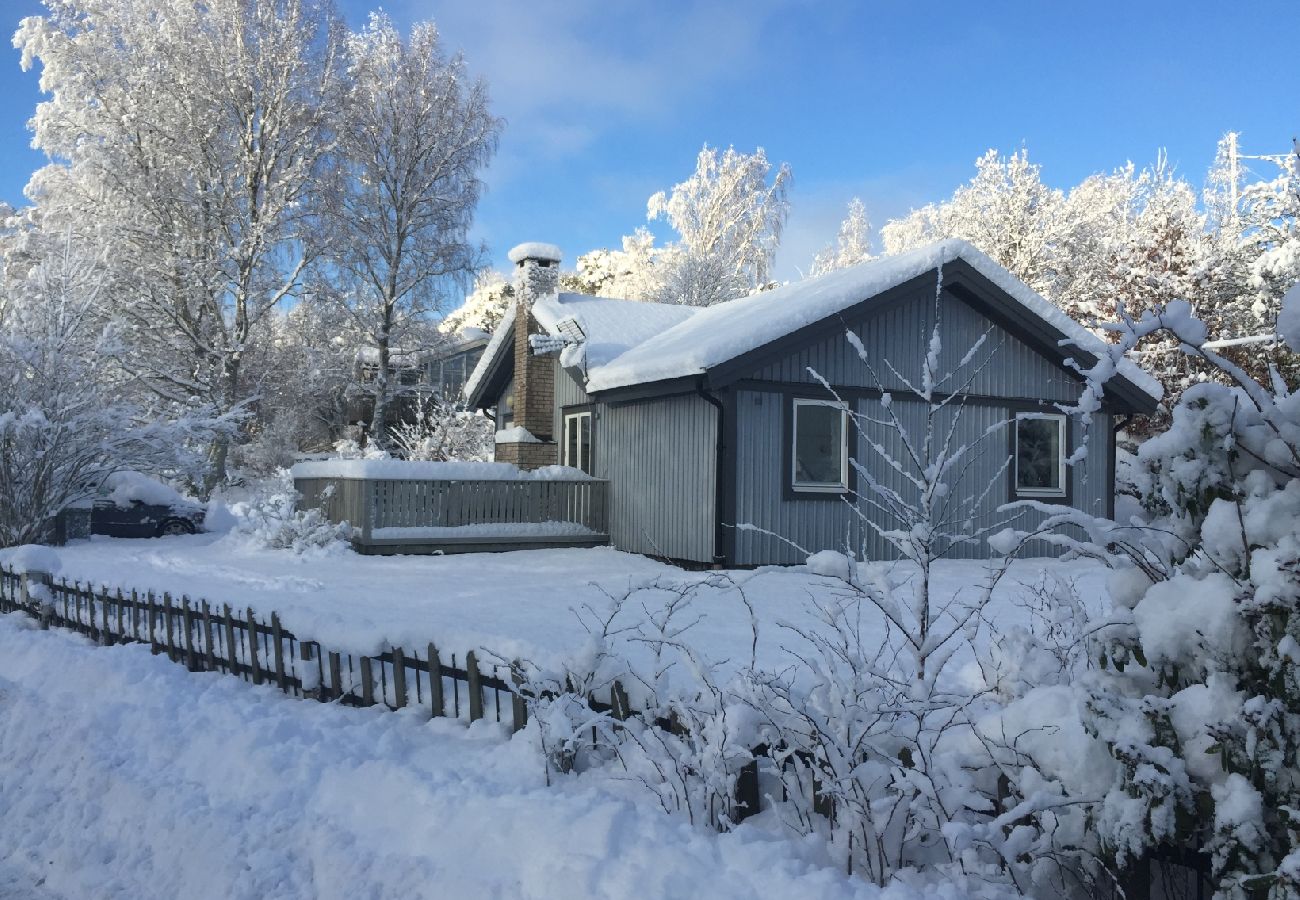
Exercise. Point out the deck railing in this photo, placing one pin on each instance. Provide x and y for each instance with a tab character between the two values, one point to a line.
371	505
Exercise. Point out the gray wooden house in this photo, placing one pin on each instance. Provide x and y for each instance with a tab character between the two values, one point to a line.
721	445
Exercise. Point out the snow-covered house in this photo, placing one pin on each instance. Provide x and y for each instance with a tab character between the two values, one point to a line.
719	441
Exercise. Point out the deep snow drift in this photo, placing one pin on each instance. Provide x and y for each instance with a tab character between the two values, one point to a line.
126	776
527	604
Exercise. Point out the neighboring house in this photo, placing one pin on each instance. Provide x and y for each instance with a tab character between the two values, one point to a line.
413	375
705	419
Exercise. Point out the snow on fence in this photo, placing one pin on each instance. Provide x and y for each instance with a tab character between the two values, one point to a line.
236	642
207	639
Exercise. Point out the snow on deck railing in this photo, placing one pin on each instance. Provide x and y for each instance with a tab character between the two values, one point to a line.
407	470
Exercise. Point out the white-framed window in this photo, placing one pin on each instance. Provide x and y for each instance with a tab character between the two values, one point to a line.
819	450
577	441
1040	455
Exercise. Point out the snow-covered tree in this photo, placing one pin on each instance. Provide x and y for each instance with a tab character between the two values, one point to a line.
442	431
1197	693
414	134
851	247
62	430
186	138
728	218
484	307
627	274
1005	210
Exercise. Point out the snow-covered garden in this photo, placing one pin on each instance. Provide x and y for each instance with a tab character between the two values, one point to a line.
244	249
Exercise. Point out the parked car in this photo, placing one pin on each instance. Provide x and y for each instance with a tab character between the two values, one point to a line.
133	505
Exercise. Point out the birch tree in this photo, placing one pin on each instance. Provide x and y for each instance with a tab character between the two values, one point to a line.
852	246
728	218
415	134
186	138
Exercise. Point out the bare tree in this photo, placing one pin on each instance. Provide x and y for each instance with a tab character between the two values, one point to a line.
415	132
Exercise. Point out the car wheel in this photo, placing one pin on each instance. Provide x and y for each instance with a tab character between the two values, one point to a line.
174	527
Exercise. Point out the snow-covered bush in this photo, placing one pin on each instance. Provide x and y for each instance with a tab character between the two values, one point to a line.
672	728
271	519
441	432
1197	692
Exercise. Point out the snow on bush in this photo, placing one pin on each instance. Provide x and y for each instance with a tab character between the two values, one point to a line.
440	432
270	519
1197	691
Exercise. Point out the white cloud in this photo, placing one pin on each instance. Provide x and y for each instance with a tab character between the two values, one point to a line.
563	73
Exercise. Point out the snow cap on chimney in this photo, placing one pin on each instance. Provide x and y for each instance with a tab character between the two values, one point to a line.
545	255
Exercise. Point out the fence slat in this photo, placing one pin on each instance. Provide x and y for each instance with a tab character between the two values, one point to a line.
208	655
435	682
475	682
232	658
367	682
399	678
336	676
187	622
254	663
278	651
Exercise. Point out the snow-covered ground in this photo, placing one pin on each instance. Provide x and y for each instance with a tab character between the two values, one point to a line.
522	604
124	775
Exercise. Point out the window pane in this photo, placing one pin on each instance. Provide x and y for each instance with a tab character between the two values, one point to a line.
1038	454
818	444
585	443
570	442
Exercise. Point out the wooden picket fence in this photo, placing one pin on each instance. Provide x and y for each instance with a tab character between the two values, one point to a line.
209	639
206	638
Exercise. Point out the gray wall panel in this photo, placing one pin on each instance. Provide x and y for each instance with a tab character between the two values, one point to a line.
1004	366
659	457
981	480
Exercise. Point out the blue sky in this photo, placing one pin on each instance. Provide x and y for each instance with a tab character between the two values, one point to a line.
608	101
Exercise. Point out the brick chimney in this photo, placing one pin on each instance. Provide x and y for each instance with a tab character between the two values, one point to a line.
537	275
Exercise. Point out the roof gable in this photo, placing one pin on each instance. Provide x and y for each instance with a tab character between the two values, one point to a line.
729	338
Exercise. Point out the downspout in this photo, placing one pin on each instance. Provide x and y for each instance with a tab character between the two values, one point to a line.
719	484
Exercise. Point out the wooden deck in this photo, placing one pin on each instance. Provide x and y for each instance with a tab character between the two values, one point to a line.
399	516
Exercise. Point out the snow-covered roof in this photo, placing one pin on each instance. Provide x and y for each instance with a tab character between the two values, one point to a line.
629	342
722	332
612	327
535	250
490	352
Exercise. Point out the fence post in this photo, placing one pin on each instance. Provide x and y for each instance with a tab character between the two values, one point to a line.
618	700
167	620
278	652
475	681
747	796
518	707
367	682
232	658
121	618
435	682
37	593
336	676
105	633
253	661
399	678
209	656
187	620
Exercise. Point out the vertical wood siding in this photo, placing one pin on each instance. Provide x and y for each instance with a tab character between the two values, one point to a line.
833	525
659	457
1007	367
